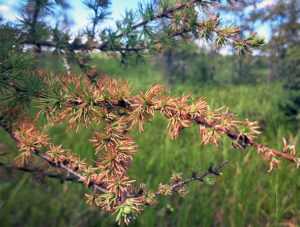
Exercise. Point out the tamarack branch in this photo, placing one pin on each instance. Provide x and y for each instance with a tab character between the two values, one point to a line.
79	101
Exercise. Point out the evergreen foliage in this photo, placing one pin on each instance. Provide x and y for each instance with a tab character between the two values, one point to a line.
107	106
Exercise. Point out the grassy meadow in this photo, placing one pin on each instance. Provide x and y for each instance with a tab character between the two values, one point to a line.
245	195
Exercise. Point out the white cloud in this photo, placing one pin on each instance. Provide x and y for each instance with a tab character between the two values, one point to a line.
4	8
226	50
10	17
10	2
262	4
229	17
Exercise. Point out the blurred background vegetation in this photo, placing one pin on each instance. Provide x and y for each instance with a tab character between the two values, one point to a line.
262	87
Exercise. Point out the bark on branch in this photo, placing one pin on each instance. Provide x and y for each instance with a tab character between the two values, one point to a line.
39	172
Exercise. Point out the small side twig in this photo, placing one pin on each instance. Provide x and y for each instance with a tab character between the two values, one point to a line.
210	171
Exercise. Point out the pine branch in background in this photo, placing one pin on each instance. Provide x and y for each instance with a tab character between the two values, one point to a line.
101	11
139	35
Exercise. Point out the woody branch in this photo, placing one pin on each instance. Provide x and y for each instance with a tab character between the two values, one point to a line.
46	158
39	172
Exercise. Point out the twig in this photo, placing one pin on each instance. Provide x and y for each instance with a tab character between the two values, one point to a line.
165	13
210	171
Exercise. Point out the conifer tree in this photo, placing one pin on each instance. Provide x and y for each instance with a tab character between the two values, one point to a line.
108	106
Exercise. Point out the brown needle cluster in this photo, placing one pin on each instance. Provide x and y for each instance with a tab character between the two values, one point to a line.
29	140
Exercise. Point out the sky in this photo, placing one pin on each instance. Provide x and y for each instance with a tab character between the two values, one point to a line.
78	11
80	14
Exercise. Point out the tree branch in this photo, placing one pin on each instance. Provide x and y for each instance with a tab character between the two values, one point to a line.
43	156
165	13
39	172
232	134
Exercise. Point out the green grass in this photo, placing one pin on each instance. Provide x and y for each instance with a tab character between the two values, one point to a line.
245	195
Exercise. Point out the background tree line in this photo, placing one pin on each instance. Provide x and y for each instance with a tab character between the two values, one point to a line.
277	62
